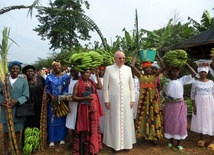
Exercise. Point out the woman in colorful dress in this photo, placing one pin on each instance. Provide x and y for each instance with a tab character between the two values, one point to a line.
175	109
19	93
87	136
148	120
57	84
203	108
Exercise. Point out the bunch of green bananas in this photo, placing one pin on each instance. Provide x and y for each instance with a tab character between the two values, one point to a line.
212	52
86	60
175	58
108	57
62	109
31	140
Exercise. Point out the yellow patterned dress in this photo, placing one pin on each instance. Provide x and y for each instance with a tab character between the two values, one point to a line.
149	117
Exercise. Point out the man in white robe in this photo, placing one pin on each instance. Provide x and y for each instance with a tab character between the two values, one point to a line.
119	98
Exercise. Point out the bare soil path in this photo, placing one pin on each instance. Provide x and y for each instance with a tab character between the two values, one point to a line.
140	148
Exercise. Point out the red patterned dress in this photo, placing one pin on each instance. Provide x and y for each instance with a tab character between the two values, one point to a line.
87	136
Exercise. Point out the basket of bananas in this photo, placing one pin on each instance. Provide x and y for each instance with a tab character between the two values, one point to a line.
175	58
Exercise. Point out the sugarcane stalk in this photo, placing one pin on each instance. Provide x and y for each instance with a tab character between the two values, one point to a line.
11	131
43	122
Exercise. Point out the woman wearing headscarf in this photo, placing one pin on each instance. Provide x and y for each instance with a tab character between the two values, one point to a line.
36	86
148	120
175	109
57	84
19	93
203	108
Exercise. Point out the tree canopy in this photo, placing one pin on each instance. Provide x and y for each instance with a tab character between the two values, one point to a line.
63	24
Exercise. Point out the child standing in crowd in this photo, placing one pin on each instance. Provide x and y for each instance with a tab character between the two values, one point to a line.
203	107
175	109
100	94
71	117
148	120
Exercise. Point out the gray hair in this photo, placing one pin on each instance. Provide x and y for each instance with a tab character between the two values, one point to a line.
115	54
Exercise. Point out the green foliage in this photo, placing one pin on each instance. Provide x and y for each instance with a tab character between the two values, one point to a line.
206	22
168	36
63	24
63	57
189	106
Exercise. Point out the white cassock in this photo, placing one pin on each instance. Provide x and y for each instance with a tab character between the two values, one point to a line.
118	89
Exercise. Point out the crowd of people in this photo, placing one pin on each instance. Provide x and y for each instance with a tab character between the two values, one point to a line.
113	105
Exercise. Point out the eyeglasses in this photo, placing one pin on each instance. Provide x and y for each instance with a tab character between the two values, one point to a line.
121	58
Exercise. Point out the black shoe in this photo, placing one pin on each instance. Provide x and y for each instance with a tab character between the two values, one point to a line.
155	143
127	150
114	151
70	146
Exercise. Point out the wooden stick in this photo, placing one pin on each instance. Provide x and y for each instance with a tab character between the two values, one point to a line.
10	123
43	122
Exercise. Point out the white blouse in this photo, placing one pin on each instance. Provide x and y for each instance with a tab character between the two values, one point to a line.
202	88
175	88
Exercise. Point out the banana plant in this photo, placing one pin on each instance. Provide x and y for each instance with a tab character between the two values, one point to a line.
4	48
3	52
206	22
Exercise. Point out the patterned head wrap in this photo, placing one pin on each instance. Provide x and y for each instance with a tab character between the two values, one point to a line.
102	67
11	64
56	63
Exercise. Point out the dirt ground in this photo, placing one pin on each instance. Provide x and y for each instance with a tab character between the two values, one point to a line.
140	148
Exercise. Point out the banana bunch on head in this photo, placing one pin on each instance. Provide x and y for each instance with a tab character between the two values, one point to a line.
31	140
86	60
175	58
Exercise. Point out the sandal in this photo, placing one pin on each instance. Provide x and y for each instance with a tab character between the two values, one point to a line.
210	147
169	145
180	148
201	143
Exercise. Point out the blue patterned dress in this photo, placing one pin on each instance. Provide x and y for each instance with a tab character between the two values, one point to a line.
56	85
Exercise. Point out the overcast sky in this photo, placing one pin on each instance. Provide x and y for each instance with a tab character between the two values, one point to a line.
111	16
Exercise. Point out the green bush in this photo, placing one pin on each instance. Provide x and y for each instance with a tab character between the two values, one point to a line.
189	106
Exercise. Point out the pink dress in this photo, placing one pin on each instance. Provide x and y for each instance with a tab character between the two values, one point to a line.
175	110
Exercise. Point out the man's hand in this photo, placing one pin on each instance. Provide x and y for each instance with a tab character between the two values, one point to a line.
131	104
107	105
